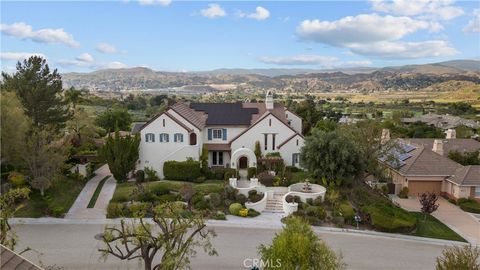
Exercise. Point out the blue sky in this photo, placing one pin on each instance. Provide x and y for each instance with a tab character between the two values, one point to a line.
191	36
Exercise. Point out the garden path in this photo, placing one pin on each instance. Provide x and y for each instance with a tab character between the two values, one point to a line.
99	211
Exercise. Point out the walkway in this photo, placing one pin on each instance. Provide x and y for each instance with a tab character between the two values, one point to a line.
99	211
451	215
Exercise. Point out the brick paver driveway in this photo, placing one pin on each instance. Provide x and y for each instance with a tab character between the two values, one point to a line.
458	220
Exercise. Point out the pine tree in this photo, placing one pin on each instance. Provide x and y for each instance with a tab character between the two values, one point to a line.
39	91
121	154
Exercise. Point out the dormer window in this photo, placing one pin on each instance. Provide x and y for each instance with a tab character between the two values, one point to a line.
149	137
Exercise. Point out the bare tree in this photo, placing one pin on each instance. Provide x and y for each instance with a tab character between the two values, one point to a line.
170	235
187	192
429	203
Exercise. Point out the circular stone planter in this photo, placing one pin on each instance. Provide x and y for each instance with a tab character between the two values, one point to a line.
297	190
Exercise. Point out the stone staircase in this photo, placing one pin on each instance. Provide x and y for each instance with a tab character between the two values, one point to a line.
275	205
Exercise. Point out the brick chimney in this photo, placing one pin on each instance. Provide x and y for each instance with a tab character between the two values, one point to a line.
451	133
438	147
385	136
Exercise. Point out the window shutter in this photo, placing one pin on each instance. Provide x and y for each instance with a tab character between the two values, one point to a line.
224	134
161	137
181	137
146	137
166	137
175	137
209	134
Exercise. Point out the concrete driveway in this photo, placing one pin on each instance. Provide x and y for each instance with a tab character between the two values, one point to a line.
451	215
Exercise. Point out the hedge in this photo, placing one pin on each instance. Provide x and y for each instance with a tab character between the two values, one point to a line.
388	218
182	170
471	206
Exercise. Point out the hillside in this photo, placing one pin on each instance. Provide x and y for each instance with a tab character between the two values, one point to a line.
401	78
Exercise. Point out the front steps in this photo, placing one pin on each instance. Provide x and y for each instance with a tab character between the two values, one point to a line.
275	205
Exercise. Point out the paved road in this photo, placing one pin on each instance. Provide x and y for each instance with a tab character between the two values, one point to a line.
73	246
99	211
458	220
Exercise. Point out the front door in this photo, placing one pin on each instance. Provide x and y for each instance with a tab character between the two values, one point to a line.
243	163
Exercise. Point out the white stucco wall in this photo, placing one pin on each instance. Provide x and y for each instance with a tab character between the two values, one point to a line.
154	154
290	148
295	121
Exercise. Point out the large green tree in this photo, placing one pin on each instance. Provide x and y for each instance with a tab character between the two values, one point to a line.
298	247
113	119
39	91
73	96
331	155
121	154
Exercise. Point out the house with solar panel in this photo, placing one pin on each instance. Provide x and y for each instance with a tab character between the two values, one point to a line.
422	165
229	131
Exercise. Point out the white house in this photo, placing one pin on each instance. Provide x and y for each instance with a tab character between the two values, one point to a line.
228	130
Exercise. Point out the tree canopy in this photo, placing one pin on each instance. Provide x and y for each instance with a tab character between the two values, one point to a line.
113	119
121	154
331	155
39	91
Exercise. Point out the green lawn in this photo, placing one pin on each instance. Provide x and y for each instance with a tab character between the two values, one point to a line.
124	190
57	200
433	228
95	195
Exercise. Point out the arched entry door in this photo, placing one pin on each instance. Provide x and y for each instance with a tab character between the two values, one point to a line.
243	163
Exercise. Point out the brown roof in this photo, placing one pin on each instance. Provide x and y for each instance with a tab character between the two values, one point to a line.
424	161
9	260
466	176
171	117
217	146
196	118
461	145
278	111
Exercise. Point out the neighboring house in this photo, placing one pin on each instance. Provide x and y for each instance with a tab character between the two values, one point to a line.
228	130
10	260
443	121
423	165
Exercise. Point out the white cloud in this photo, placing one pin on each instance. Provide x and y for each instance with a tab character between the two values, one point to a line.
46	35
363	28
85	57
433	9
303	59
474	24
155	2
399	50
106	48
213	11
260	14
114	65
18	56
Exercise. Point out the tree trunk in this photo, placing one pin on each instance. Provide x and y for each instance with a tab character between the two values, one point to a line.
147	262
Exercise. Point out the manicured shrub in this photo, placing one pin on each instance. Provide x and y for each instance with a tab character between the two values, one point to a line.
115	210
453	201
316	211
120	198
219	215
317	201
151	174
310	201
252	171
292	169
240	198
462	200
347	211
199	180
470	205
403	193
255	197
235	208
230	173
230	192
182	170
138	209
140	176
159	190
16	179
265	178
167	198
253	213
252	192
277	181
146	197
215	199
58	211
243	212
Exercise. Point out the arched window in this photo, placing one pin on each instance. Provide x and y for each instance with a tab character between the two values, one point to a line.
164	137
193	138
178	137
149	137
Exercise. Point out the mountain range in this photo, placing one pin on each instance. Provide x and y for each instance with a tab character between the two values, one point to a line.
408	77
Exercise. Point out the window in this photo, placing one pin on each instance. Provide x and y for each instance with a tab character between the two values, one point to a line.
149	137
297	142
163	137
266	141
178	137
477	192
295	158
163	122
273	141
217	158
270	122
217	133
